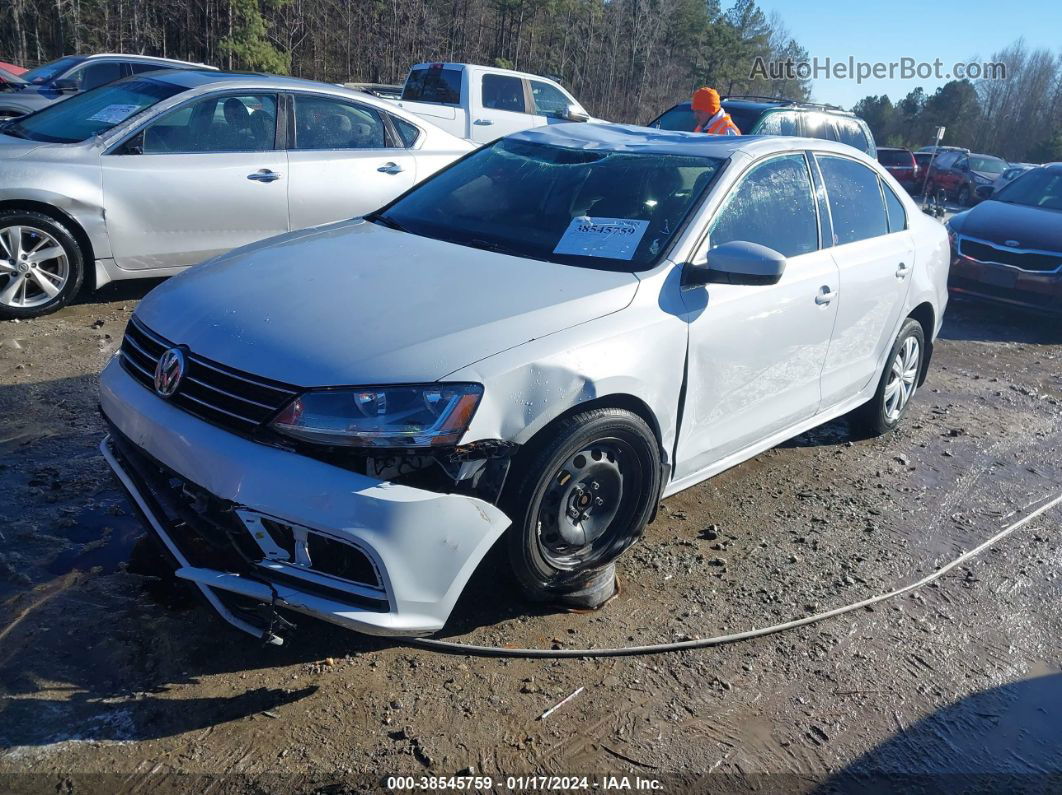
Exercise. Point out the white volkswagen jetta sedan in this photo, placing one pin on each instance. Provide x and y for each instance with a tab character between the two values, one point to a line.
540	341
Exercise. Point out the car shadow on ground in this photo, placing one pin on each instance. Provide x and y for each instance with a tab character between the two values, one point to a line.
125	290
969	320
1001	740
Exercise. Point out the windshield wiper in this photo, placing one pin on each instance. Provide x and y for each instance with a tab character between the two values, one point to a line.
9	128
390	223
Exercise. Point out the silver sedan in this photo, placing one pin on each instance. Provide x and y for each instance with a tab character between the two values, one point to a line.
154	173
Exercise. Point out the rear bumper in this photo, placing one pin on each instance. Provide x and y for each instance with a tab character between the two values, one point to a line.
423	546
1002	284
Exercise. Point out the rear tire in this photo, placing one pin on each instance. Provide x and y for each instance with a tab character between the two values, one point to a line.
41	264
965	197
898	383
578	499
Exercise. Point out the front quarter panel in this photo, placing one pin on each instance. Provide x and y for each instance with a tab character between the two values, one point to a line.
638	352
65	177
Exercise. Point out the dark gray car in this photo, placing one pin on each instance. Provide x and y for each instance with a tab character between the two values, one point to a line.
73	74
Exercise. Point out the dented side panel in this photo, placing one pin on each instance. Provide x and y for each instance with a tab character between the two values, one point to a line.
638	353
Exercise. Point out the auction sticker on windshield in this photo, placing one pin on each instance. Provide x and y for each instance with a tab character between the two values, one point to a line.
112	114
614	238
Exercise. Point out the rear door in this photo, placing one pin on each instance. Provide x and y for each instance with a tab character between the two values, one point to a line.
499	107
756	352
344	159
204	178
874	254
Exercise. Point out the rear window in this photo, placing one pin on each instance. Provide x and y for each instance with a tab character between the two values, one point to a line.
893	158
433	84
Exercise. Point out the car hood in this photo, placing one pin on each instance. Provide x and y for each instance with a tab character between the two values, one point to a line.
28	99
357	303
1030	227
11	147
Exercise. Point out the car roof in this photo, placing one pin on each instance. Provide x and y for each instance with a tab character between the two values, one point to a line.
896	149
649	140
125	56
195	78
771	104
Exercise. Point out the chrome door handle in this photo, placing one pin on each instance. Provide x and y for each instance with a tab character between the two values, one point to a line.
483	122
903	270
825	296
390	168
264	175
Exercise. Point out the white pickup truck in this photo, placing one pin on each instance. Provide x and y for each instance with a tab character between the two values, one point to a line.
482	103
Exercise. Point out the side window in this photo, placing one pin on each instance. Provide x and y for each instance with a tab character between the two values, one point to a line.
502	92
549	101
327	123
772	205
816	125
856	205
961	163
945	160
99	74
780	123
897	214
433	84
409	133
852	134
139	67
216	124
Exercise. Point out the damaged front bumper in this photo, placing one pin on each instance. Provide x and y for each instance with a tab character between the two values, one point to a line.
245	521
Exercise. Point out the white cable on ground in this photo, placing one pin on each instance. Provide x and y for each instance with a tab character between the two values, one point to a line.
702	643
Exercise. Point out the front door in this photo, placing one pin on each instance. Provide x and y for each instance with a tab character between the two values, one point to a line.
203	179
756	352
874	253
344	161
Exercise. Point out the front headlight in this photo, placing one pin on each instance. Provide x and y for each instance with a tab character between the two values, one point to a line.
425	415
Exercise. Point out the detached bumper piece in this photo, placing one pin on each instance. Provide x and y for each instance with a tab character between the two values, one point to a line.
241	559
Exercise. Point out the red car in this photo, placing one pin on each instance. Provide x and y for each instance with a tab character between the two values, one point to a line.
958	175
902	165
11	75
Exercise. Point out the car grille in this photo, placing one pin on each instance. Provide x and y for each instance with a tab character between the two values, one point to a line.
218	394
1027	261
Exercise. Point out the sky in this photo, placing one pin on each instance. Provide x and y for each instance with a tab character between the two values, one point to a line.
887	32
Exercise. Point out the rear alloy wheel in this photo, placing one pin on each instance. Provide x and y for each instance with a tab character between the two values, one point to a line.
964	196
578	502
41	267
898	383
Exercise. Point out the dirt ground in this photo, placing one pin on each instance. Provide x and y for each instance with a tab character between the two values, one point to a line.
110	682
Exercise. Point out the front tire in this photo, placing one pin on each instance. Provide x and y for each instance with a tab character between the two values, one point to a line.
898	382
578	500
41	264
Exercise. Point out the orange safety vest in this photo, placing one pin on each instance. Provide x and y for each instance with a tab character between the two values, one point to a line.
720	126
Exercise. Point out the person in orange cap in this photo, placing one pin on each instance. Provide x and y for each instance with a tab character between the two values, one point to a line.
711	118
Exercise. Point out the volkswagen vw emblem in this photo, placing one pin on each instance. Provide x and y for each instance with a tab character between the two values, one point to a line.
169	372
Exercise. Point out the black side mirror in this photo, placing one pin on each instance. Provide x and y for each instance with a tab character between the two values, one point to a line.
736	262
66	84
985	191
